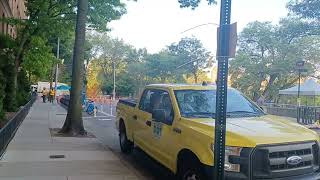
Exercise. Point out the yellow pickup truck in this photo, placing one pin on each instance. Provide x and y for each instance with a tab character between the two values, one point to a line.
174	124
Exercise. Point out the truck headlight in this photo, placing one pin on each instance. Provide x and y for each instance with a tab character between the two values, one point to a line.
230	151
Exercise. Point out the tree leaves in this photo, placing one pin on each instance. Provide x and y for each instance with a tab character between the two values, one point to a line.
193	4
38	59
306	8
265	62
193	57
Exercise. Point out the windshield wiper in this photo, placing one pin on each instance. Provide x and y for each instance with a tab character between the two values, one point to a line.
243	112
201	115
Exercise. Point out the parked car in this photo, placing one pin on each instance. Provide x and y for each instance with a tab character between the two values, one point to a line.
174	124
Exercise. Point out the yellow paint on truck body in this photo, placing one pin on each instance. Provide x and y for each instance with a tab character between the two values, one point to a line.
197	134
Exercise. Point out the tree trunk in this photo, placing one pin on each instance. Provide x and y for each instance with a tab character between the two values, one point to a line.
195	76
269	85
73	123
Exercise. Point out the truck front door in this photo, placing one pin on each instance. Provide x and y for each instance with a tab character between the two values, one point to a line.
164	138
143	118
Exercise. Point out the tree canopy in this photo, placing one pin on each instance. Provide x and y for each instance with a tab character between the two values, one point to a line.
135	68
194	3
267	56
306	8
192	56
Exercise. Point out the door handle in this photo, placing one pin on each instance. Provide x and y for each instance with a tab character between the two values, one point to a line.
135	117
148	123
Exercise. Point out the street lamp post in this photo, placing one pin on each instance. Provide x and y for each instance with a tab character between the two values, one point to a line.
300	68
85	81
57	66
114	80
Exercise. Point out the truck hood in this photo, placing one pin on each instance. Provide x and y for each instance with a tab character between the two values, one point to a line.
252	131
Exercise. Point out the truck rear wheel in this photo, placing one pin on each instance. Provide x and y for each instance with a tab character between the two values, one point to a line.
125	145
190	169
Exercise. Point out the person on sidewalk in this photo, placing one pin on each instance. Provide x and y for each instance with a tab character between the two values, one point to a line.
51	94
44	95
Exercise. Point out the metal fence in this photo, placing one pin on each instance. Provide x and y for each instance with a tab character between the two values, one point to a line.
304	114
308	114
9	130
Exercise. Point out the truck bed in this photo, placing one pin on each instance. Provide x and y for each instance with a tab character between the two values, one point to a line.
129	102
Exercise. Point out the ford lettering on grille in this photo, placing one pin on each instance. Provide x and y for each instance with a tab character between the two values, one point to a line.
294	160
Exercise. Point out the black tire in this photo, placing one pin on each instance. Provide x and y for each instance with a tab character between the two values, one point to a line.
125	145
189	168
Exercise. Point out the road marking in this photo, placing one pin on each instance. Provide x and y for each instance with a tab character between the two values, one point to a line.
107	114
105	119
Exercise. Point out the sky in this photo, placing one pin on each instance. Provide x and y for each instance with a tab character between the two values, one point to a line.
155	24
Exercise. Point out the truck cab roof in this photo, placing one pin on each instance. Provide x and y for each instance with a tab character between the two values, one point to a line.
184	86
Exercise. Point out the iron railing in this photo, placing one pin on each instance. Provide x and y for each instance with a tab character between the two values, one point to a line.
305	115
9	130
308	114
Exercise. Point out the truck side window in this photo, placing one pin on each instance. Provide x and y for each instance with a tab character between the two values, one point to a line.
157	99
167	106
145	101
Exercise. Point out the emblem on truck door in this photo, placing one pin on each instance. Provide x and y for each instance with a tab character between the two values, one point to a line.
157	130
294	160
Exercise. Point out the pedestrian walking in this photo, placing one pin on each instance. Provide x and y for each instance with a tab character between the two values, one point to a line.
44	95
51	94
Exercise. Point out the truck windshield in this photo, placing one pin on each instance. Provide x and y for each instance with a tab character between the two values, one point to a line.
202	104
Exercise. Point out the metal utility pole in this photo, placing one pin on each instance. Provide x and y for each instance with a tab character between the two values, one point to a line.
299	84
114	80
57	66
300	68
222	86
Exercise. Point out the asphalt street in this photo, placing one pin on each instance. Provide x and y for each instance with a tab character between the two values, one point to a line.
103	127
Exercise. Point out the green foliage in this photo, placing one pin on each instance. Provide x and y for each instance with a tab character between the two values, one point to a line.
6	46
267	56
124	85
57	17
38	59
23	93
194	3
2	93
306	8
135	67
109	52
192	56
162	67
10	100
6	73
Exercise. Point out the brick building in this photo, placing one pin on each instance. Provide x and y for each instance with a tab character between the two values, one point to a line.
11	8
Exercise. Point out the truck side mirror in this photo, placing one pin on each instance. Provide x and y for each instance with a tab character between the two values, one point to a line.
159	115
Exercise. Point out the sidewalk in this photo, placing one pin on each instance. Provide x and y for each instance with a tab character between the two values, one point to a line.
28	154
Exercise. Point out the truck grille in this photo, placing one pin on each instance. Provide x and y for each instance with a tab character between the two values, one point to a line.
272	161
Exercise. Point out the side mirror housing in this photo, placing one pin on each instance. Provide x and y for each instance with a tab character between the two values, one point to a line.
159	115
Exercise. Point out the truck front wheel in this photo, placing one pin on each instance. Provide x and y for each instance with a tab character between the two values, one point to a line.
125	145
190	169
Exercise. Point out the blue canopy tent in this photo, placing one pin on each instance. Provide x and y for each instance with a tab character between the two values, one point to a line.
63	88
